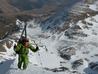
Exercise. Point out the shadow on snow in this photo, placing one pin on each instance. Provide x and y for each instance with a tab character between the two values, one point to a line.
5	66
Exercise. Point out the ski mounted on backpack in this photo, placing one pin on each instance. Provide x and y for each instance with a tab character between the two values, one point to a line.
24	31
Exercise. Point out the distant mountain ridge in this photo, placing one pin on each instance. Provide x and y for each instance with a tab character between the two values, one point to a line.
12	9
26	9
50	13
12	6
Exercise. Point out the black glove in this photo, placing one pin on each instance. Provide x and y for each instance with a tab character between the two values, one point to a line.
37	48
17	52
15	46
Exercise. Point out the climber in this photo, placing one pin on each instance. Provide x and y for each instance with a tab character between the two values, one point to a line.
22	49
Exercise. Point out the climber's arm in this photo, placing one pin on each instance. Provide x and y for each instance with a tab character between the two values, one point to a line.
17	48
33	49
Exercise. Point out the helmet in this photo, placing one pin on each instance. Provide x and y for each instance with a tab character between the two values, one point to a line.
25	40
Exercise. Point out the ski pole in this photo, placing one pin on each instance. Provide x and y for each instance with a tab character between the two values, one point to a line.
38	55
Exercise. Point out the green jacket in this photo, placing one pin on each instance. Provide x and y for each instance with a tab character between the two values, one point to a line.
20	49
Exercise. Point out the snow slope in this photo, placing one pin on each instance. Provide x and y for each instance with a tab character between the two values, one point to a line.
47	60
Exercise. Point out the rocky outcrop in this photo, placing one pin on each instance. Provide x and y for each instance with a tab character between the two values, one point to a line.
2	48
89	1
75	30
93	66
77	63
7	43
60	69
67	53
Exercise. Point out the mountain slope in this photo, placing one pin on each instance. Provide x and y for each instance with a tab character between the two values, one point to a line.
72	51
50	44
41	10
